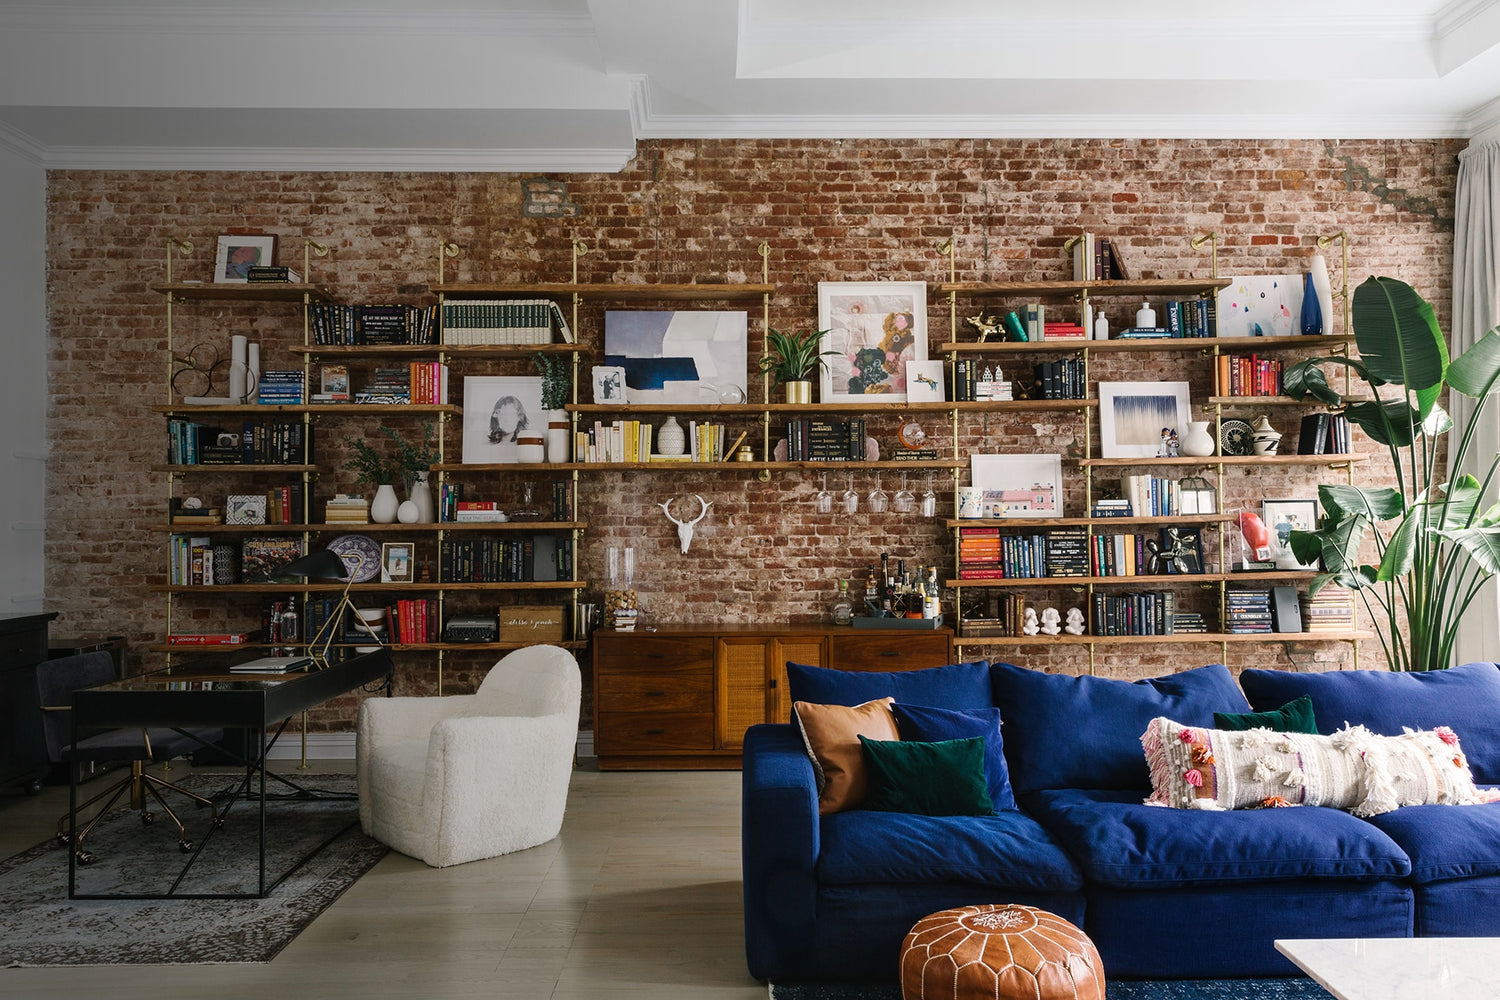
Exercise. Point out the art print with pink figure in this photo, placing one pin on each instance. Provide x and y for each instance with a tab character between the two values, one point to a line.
874	329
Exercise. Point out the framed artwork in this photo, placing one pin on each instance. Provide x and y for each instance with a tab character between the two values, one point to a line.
609	383
397	563
874	329
238	254
1262	305
497	410
679	356
1142	419
925	381
1018	485
1282	517
245	508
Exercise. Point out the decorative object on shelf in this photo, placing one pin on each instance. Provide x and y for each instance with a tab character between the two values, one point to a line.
1282	517
1050	621
408	512
843	611
744	454
1311	320
1197	442
670	437
397	562
420	494
1261	305
872	450
608	383
385	507
1196	495
244	508
556	388
1101	325
369	467
498	410
361	556
685	528
970	501
528	511
1236	437
1317	266
874	328
1075	624
1264	439
677	356
988	326
530	449
352	563
792	359
226	564
238	252
911	435
1145	317
1018	485
194	377
1031	627
1179	551
621	603
1136	417
1257	542
925	381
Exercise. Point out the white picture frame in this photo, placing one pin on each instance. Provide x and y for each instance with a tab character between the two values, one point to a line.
926	381
874	329
1261	305
236	254
679	355
1142	419
498	409
608	382
1018	486
1283	516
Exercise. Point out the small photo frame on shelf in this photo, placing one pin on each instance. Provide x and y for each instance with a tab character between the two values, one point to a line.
609	384
1018	485
925	382
498	410
245	508
874	329
1282	517
238	253
397	562
1142	419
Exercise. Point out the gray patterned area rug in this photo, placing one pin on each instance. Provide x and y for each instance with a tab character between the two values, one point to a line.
1181	989
40	926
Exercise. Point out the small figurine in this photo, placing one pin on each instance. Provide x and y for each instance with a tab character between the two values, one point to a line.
1173	445
986	325
1029	625
1050	619
1166	440
1075	622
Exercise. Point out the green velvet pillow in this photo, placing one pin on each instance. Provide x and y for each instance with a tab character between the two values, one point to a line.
1296	716
946	778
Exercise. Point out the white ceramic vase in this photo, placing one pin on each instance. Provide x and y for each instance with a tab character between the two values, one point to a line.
421	495
559	430
670	438
1198	443
1265	439
383	508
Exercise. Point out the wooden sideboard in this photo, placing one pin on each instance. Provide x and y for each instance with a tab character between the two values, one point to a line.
682	697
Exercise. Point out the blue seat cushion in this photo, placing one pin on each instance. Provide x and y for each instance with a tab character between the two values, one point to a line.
1119	842
927	724
1007	850
1063	731
1466	698
1446	842
958	685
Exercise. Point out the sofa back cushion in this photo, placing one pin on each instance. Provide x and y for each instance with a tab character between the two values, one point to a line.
1063	731
923	722
958	685
1465	698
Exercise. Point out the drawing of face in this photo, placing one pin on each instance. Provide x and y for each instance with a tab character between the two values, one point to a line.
507	420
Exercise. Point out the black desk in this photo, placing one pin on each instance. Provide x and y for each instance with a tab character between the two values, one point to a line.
23	751
194	697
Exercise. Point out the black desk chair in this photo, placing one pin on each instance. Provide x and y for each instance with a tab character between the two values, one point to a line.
56	682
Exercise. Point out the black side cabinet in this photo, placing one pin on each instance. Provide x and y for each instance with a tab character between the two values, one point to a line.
23	753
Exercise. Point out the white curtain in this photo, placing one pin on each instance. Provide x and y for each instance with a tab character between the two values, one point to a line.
1476	309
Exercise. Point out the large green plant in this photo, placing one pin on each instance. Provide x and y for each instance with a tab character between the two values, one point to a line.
1436	545
794	356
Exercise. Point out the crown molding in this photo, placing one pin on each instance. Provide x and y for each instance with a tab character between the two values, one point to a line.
1484	124
599	160
13	140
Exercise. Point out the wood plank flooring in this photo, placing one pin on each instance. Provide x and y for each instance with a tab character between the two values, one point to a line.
639	897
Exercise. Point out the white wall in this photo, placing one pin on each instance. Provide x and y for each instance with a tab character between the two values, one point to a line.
23	397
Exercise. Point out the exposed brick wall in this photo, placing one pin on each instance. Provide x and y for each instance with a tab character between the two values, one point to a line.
689	211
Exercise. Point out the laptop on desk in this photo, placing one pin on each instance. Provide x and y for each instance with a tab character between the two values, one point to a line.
272	665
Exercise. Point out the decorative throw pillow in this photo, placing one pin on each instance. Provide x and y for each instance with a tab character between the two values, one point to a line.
1296	716
945	778
831	734
930	725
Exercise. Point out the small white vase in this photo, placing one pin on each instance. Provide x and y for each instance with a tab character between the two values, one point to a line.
1265	438
421	495
407	513
670	438
1198	443
383	508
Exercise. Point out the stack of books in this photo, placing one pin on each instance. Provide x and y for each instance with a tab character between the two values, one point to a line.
257	273
815	440
347	508
1151	612
478	512
1331	611
1111	508
977	381
1061	379
388	385
1247	611
1189	622
281	388
1067	552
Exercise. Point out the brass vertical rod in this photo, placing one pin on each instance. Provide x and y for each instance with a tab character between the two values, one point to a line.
1212	238
1342	236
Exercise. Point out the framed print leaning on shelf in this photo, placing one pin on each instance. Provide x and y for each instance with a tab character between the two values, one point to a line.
1142	419
1282	517
874	329
238	254
497	409
925	381
1018	485
609	383
396	562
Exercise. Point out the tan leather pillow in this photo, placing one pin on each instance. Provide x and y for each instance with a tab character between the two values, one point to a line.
831	734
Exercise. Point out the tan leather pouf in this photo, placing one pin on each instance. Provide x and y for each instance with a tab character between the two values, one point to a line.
999	952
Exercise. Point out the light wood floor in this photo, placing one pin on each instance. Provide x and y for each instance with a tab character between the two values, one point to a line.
639	897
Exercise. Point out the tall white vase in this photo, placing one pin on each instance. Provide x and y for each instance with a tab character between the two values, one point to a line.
1318	268
559	431
383	508
421	495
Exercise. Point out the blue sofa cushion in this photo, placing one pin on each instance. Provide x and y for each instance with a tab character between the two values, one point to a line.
922	722
1446	842
1063	731
1007	850
958	685
1466	698
1119	842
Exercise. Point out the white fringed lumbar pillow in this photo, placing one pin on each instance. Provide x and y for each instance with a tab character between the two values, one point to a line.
1354	769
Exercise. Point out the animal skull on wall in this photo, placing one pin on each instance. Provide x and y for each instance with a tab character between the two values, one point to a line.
685	528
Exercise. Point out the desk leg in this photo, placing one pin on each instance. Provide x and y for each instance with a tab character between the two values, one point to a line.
261	765
73	805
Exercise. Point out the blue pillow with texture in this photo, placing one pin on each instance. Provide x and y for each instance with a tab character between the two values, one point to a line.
1063	731
958	685
1465	698
931	725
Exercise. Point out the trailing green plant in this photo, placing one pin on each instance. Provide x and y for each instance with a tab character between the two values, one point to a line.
794	356
369	466
1436	545
556	386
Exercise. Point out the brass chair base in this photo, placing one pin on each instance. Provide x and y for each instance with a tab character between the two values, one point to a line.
139	784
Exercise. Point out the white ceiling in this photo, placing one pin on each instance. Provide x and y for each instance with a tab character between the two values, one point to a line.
556	85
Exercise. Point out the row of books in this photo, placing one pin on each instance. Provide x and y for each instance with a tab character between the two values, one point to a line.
1005	617
1039	328
1097	258
631	441
1247	610
277	505
355	325
986	554
347	508
416	619
276	443
1136	553
1149	612
1247	375
1324	434
281	388
505	560
504	321
979	381
1185	318
453	508
1060	379
814	440
1148	496
390	384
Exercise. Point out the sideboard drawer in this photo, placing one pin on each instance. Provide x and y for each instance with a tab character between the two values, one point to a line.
651	652
645	732
684	688
889	651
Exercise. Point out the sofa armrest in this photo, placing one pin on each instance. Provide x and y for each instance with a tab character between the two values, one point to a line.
779	850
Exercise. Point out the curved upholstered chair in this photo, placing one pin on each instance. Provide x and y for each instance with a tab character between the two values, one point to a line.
465	777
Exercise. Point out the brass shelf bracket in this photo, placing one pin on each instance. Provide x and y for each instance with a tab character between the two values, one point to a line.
446	252
1212	239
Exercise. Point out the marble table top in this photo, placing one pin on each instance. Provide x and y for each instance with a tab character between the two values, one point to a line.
1400	968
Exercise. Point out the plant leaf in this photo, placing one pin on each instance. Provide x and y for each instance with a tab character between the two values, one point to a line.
1306	378
1375	503
1481	543
1341	542
1389	423
1400	550
1476	372
1398	337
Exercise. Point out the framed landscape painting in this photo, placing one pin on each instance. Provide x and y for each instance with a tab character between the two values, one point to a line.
1018	485
1142	419
874	329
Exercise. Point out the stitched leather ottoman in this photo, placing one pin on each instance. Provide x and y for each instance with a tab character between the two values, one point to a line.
999	952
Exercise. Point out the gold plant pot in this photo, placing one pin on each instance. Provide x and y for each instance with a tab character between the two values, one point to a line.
799	393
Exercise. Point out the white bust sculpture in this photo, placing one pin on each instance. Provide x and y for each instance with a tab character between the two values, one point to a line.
1075	622
1029	625
1050	619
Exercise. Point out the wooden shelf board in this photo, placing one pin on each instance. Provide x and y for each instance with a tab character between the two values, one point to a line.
936	463
236	468
756	409
370	527
1250	402
345	409
1179	578
592	292
1332	460
1141	640
260	291
1144	344
432	350
399	647
1060	522
1127	286
281	588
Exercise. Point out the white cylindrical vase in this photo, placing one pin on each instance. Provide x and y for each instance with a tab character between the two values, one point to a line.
420	494
1318	268
239	367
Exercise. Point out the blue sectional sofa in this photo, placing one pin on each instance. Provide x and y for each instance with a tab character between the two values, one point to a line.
1163	893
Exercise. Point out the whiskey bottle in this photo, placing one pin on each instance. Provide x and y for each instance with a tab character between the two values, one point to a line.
843	611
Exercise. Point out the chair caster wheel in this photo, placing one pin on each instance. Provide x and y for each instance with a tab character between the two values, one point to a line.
85	857
186	846
147	819
219	823
62	839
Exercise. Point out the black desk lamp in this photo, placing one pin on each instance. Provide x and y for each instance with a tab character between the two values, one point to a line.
329	565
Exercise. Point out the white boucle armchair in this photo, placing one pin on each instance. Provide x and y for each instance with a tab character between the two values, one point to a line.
464	777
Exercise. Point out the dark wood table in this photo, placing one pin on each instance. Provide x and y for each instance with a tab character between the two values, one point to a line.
193	697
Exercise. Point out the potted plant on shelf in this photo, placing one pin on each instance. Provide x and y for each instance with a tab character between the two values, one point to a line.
793	359
556	389
410	466
1435	545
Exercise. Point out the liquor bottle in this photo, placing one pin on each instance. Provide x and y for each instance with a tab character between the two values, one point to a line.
843	611
888	585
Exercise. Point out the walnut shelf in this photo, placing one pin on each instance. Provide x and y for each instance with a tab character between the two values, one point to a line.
1176	638
259	291
597	292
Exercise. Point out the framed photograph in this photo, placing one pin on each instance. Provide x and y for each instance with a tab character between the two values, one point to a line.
1262	305
238	254
609	384
1018	485
1282	517
925	382
245	508
679	356
397	562
497	410
874	329
1142	419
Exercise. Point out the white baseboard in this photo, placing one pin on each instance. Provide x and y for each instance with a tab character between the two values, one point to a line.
340	746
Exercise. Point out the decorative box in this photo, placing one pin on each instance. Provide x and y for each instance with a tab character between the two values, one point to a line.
531	623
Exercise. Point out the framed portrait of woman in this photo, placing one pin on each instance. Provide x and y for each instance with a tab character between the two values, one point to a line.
497	410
